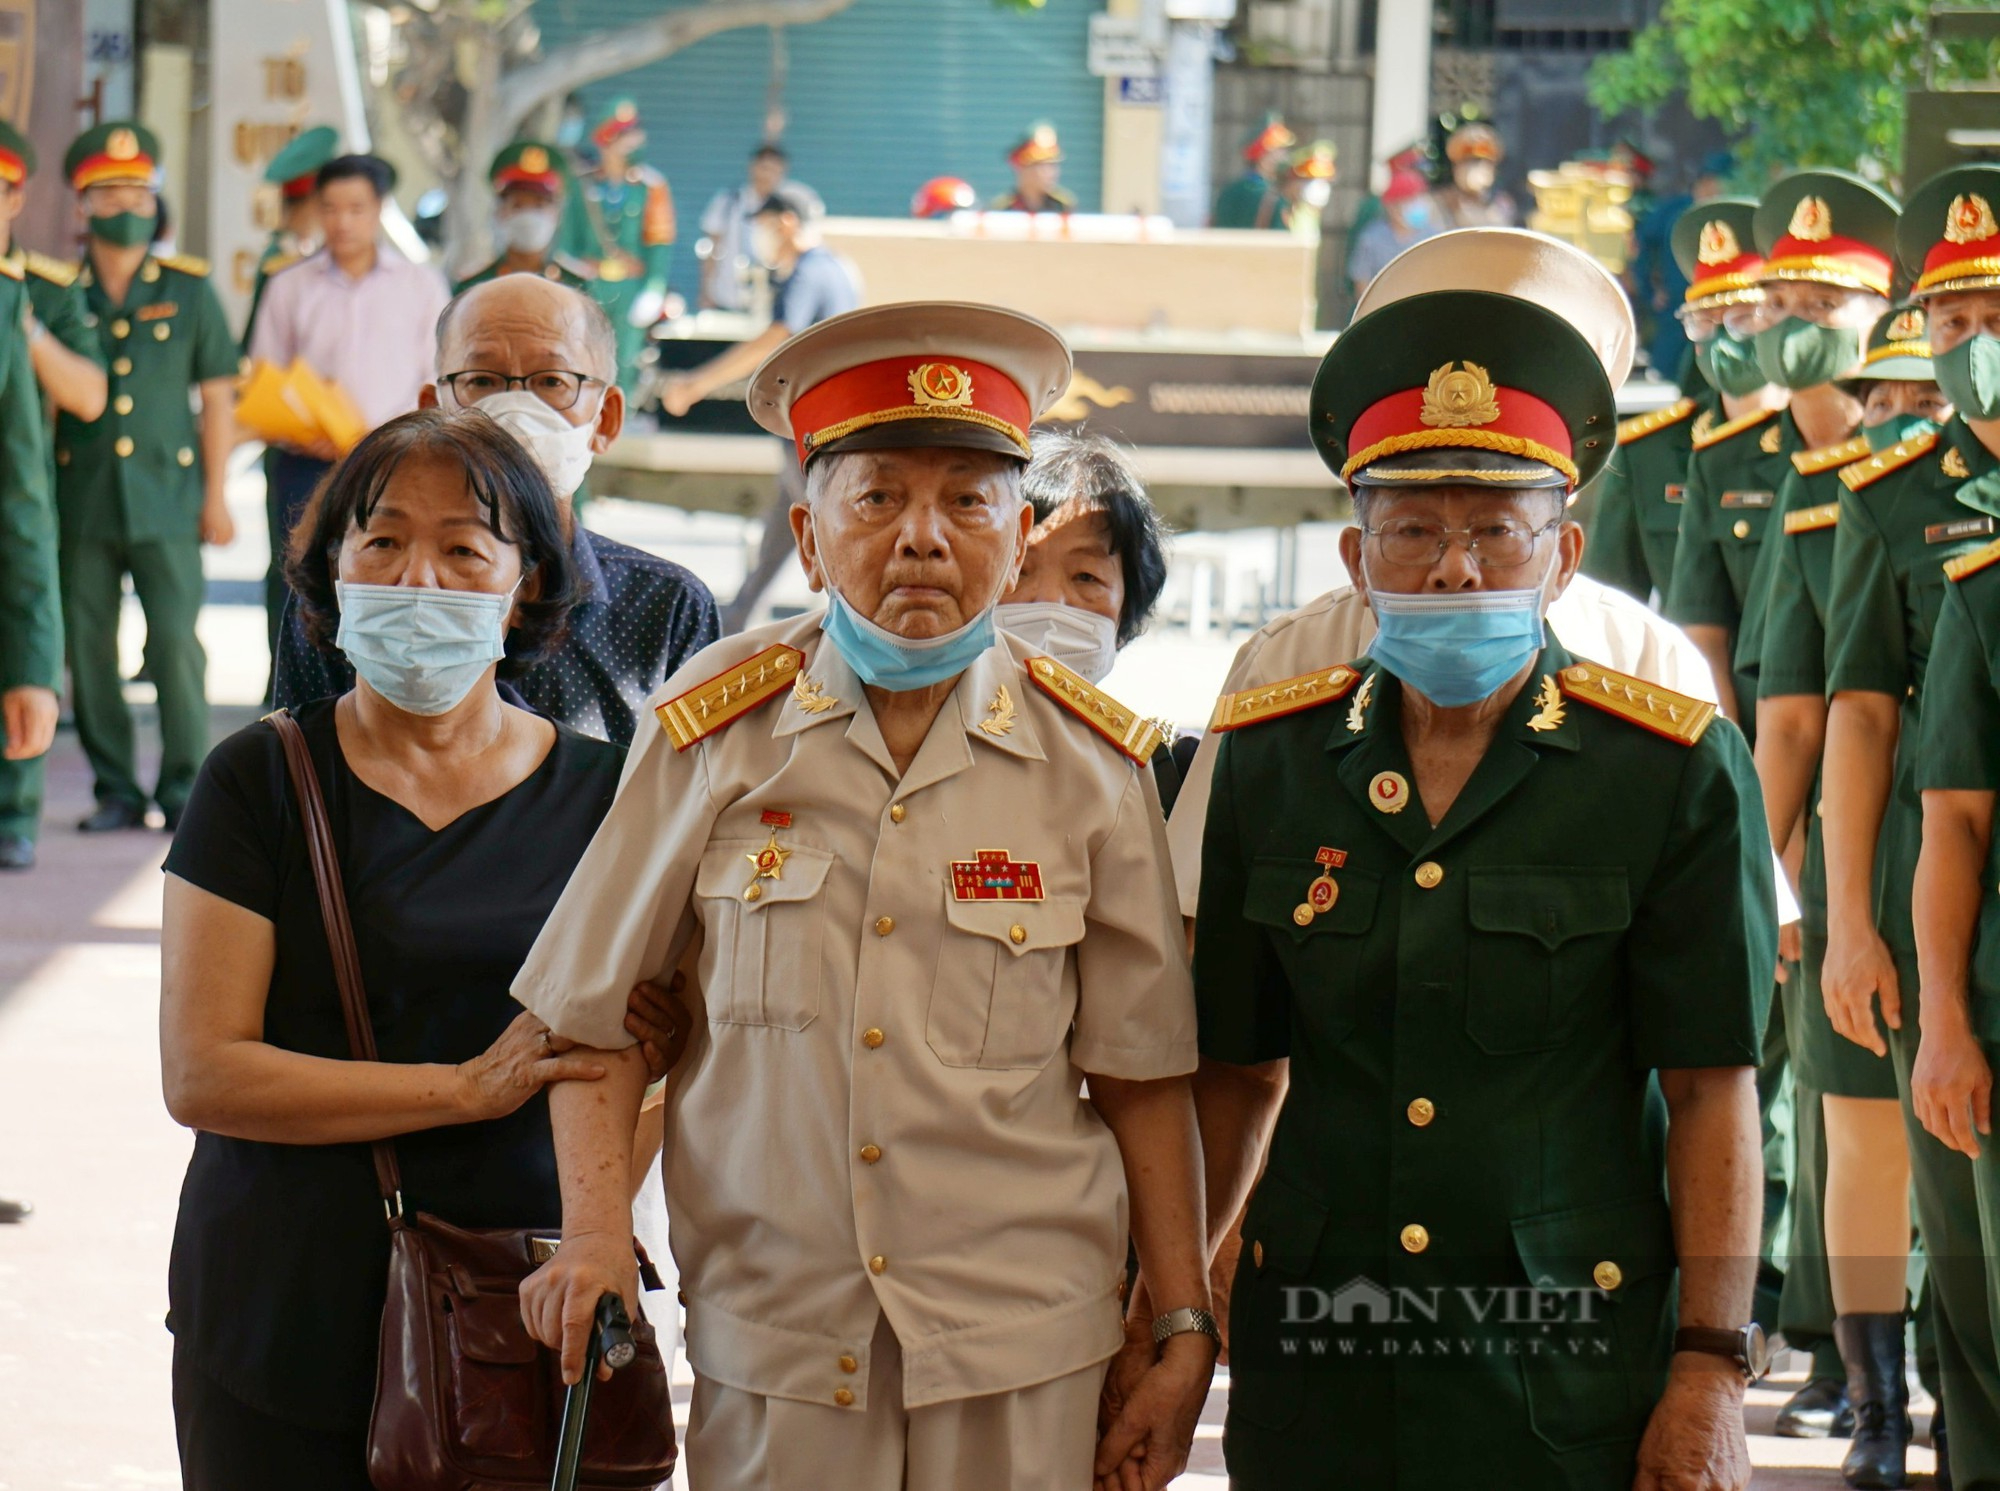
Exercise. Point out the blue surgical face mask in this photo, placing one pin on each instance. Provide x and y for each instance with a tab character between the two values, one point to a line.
419	647
880	657
1456	649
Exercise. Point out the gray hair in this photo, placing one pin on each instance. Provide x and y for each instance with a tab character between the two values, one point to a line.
600	337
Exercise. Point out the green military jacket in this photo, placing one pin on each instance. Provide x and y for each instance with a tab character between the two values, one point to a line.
627	230
1639	498
560	267
1472	1014
136	471
277	257
1251	202
1960	750
1900	521
57	301
31	640
1734	473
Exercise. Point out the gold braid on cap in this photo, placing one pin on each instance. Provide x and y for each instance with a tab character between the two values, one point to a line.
1896	349
1460	439
833	432
1963	269
1824	269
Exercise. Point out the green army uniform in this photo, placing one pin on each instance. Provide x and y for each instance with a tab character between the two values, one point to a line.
57	305
1637	520
561	268
31	636
1252	200
294	171
625	231
536	167
129	497
1472	1012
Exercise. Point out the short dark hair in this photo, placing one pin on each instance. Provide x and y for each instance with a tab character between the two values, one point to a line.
369	168
803	205
1089	469
770	152
501	476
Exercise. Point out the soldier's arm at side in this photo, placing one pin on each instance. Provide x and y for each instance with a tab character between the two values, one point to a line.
30	616
1791	697
1699	597
1613	554
69	363
1951	1084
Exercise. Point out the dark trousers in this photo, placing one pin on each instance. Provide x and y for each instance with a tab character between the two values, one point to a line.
21	797
226	1445
289	480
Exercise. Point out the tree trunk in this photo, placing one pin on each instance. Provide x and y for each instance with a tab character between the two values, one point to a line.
468	226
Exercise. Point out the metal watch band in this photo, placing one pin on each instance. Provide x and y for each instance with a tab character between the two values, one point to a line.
1180	1322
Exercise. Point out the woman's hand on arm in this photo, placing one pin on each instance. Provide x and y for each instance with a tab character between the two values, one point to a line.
220	1075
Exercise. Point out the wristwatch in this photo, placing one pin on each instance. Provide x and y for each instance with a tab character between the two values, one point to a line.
1180	1322
1745	1346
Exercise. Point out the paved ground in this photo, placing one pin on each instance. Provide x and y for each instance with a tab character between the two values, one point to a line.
83	1354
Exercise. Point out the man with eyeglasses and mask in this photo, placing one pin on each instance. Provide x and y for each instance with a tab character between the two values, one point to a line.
542	359
1442	946
531	184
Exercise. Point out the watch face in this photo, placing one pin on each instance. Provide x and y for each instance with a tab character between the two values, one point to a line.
1756	1351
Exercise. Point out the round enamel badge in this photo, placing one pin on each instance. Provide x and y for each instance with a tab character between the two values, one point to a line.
1389	791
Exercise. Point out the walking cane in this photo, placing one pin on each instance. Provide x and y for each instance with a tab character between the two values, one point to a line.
611	1343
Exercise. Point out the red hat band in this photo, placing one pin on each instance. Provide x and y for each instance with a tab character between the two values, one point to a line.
1970	248
1831	260
1461	409
13	170
900	388
300	186
547	181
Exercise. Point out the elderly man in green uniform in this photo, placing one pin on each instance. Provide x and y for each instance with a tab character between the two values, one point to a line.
1638	515
294	171
69	370
1253	200
1908	511
531	185
1859	1156
621	222
140	489
1466	950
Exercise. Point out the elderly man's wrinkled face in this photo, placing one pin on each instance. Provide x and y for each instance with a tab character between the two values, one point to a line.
1823	305
1961	315
518	326
1460	539
921	541
1070	562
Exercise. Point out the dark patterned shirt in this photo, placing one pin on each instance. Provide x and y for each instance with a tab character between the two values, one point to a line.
640	619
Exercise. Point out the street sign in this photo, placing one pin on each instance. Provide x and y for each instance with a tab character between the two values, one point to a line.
1119	48
1142	92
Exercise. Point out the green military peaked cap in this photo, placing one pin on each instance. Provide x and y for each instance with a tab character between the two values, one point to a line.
1456	387
620	116
298	163
117	150
17	155
1715	245
1948	239
1829	227
1899	347
532	163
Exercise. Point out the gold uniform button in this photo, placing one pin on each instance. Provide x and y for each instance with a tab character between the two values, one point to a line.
872	1038
160	332
123	403
898	813
1257	1253
150	273
121	327
62	458
1430	874
849	1364
1608	1275
1741	528
1415	1238
871	1153
753	892
884	925
122	366
1017	934
184	456
123	445
843	1397
1421	1111
877	1264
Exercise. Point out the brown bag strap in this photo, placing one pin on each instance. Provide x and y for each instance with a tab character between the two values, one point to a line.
339	932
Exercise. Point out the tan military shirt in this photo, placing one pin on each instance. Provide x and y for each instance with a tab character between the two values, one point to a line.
1593	620
880	1113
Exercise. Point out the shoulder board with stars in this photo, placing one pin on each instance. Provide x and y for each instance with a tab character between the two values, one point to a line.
12	268
279	262
1287	696
576	267
1895	458
1641	425
1812	462
1812	519
55	271
185	264
727	697
1971	564
1716	434
1662	711
1133	737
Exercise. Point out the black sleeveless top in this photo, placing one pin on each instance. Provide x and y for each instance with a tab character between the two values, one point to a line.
281	1251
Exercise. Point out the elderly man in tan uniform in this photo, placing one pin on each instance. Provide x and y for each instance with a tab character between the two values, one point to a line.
930	883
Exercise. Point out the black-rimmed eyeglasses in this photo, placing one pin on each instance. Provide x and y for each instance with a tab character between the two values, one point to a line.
556	387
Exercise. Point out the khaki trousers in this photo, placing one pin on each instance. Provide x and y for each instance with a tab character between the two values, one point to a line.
1039	1438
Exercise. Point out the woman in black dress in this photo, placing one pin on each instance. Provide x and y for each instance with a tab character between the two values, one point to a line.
432	558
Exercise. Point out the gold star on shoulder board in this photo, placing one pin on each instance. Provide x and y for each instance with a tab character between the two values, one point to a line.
999	714
1550	698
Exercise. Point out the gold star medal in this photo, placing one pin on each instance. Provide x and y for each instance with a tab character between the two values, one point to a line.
770	860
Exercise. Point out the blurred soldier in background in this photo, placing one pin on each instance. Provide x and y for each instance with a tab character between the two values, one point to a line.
622	221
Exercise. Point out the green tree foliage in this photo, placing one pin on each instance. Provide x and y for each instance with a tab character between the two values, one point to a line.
1799	82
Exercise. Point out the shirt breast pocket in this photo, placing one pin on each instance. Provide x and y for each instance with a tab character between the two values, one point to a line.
1320	957
998	1001
767	947
1541	940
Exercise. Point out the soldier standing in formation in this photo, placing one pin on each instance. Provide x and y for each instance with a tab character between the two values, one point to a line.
1253	199
1037	163
139	490
294	171
621	223
531	187
69	370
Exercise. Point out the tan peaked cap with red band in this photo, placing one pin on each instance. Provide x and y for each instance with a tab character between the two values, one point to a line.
916	373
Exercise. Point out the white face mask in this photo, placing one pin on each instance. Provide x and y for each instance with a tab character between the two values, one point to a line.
419	647
1082	641
560	448
1316	194
529	230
